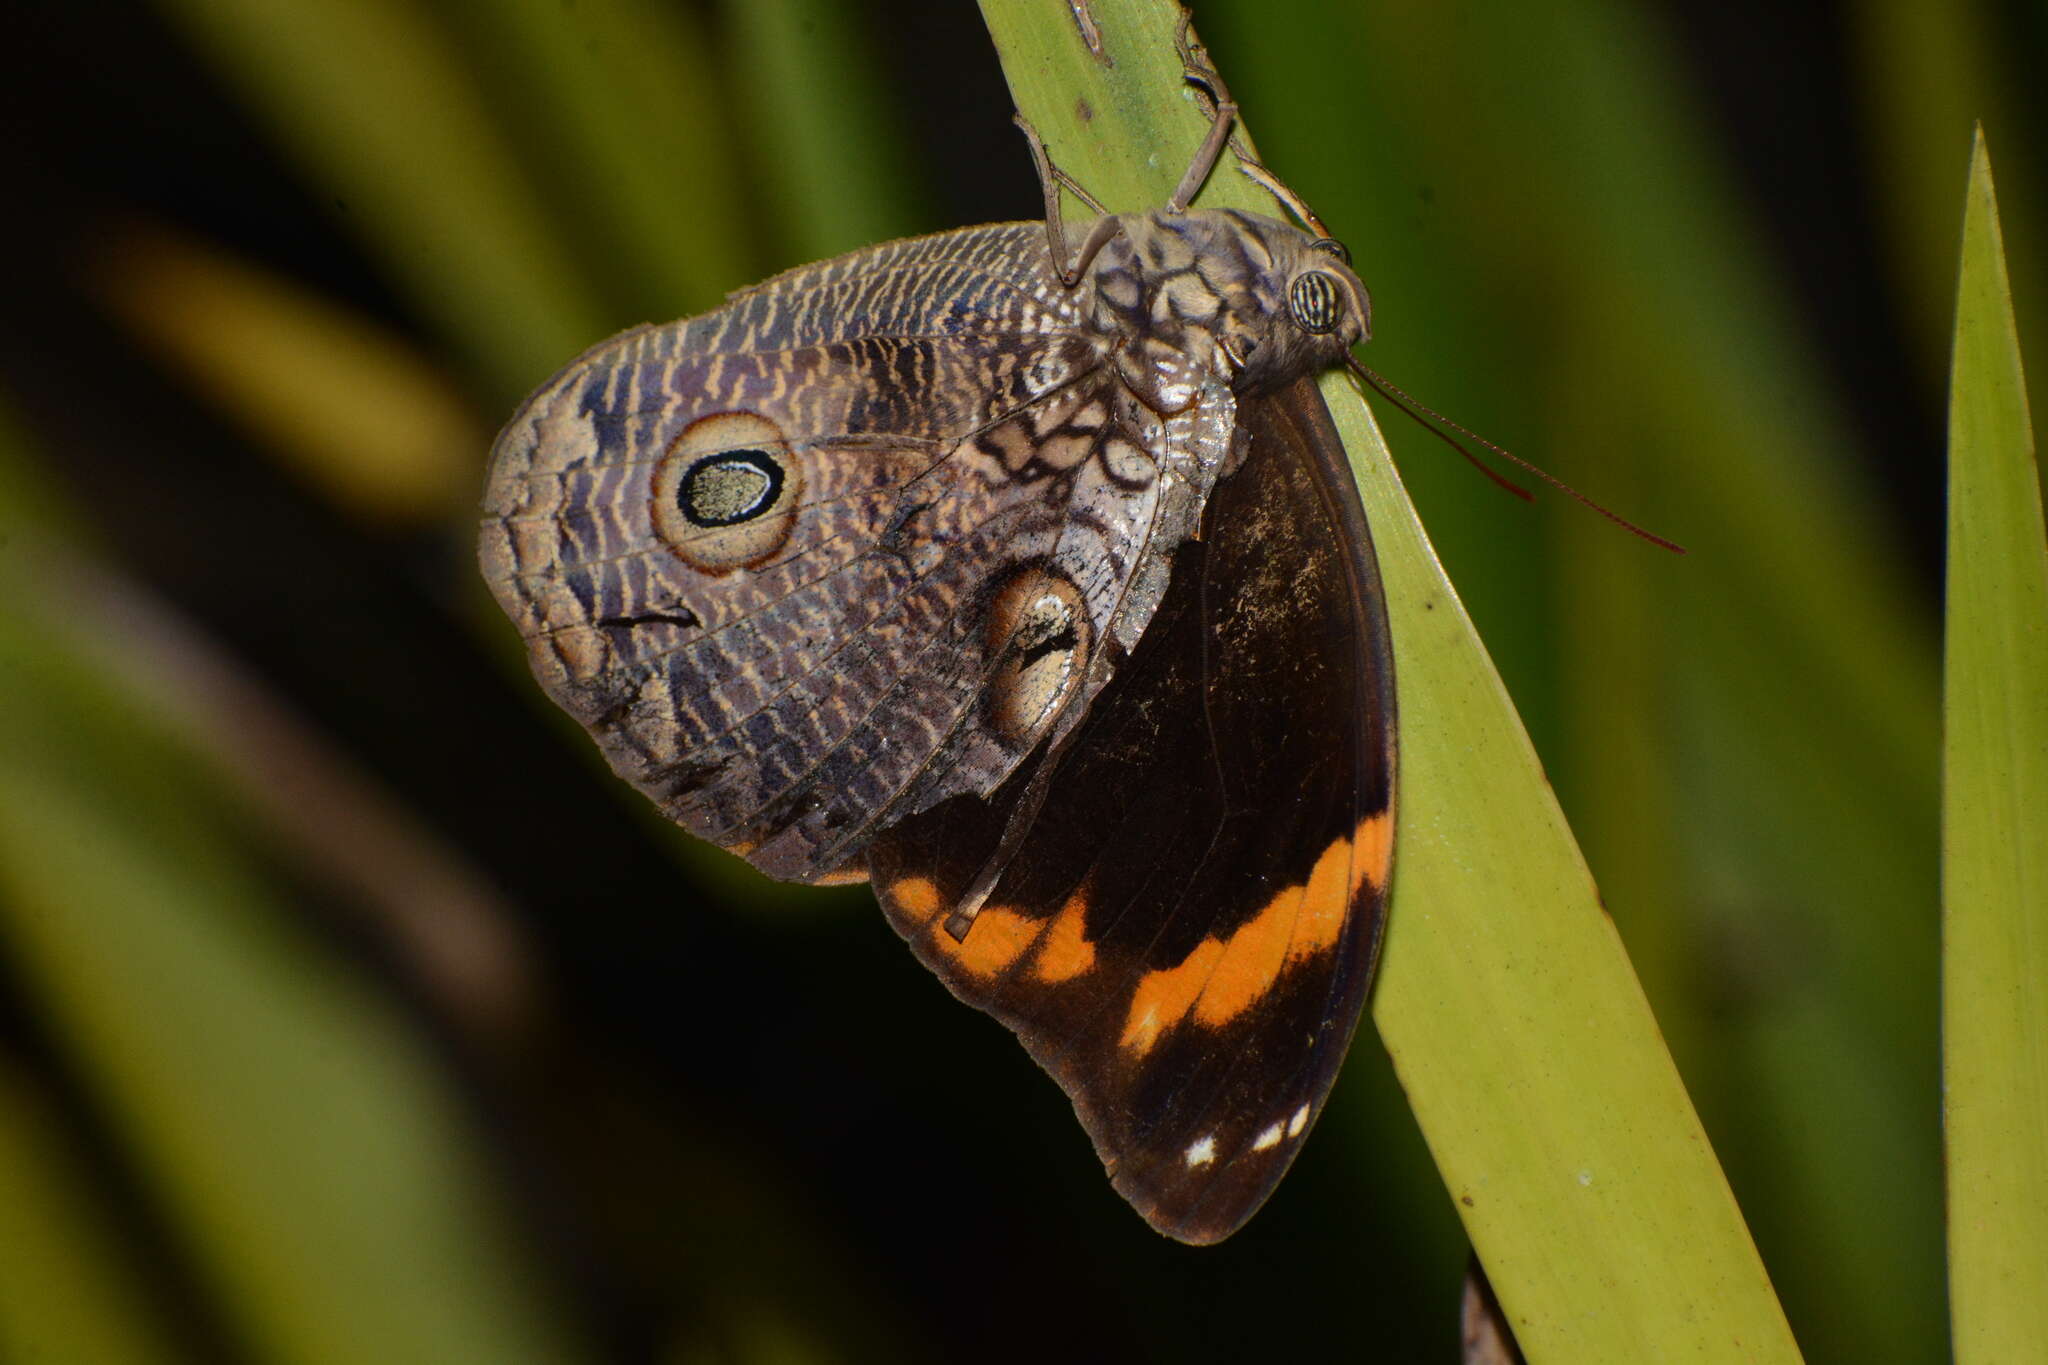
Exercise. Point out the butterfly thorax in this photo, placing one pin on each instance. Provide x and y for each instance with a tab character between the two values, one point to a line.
1216	291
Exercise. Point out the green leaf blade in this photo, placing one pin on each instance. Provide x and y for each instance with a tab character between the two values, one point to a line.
1994	814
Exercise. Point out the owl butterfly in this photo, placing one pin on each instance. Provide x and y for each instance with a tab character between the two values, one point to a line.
1035	590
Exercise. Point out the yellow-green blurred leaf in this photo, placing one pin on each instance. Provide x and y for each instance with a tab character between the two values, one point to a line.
351	409
71	1294
284	1116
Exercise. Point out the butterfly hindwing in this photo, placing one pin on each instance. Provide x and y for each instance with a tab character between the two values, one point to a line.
1185	938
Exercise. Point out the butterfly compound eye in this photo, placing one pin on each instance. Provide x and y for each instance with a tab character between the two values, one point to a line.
1315	302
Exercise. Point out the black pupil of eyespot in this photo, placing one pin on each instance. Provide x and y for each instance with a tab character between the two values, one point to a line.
729	487
1315	302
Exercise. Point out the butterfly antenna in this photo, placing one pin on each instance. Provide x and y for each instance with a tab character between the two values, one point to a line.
1434	422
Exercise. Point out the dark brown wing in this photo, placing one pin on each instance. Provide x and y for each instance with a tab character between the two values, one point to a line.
1186	936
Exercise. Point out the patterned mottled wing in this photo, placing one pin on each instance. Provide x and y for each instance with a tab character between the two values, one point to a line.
1186	937
853	544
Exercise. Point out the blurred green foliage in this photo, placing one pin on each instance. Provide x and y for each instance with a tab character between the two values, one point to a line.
254	1105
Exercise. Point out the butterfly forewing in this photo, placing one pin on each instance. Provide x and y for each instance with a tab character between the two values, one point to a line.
1186	940
858	542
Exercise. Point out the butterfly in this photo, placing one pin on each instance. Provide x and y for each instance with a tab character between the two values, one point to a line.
1033	588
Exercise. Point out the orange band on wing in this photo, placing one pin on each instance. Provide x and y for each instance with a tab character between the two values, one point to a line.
995	939
1222	978
916	897
1254	955
848	874
1066	953
1164	996
1327	899
1375	841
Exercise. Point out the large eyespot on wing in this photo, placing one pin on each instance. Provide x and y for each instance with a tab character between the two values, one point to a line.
726	493
1185	937
1037	640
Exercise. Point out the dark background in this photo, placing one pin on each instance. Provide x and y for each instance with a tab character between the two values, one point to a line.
717	1120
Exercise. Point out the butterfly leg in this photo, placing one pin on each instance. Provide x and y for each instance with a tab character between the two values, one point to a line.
1052	179
1198	71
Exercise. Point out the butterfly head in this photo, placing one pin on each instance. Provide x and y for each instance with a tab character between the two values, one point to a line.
1274	301
1304	307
